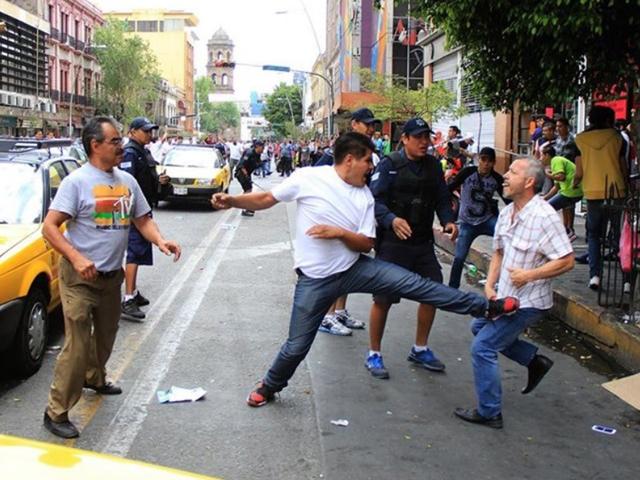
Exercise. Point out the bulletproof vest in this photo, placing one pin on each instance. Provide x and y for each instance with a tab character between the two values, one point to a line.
413	196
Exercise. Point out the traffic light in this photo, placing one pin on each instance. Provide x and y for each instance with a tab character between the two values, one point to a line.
224	63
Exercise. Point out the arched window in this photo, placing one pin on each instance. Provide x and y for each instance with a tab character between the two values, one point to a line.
214	79
211	56
228	56
220	56
225	79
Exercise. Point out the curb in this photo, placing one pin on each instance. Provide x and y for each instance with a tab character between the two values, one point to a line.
597	324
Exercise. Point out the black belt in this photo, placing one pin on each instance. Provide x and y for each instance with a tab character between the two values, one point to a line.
110	274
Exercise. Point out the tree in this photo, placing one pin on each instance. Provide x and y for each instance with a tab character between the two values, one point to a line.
215	117
396	103
129	75
282	106
541	51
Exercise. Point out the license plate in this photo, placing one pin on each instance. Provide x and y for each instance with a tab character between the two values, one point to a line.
180	190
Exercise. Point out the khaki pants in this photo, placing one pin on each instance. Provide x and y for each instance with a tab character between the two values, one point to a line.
91	314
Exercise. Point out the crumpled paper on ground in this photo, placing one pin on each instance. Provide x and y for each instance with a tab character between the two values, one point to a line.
179	394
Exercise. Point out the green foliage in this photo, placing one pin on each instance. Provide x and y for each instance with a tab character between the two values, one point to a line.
282	106
398	104
215	117
534	51
129	73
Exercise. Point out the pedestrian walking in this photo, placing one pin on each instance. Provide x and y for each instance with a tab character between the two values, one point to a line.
235	154
99	203
478	212
530	247
335	225
248	164
139	162
408	187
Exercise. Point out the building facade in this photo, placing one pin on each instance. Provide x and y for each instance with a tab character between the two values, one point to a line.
220	63
25	103
170	37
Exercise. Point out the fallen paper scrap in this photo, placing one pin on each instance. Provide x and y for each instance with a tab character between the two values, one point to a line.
626	389
228	226
341	422
604	429
178	394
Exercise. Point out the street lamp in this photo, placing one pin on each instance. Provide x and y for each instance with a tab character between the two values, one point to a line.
76	72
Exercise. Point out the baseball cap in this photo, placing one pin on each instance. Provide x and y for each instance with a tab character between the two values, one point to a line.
489	152
364	115
416	126
258	143
142	123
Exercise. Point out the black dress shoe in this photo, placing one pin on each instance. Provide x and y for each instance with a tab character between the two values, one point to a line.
582	259
106	389
61	429
538	368
471	415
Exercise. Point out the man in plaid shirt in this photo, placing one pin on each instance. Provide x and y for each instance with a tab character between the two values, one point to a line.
531	247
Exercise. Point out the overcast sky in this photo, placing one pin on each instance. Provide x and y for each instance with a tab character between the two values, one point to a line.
260	35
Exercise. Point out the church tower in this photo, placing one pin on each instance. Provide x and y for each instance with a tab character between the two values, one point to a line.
220	62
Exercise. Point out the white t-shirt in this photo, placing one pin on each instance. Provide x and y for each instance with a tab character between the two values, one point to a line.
235	151
323	198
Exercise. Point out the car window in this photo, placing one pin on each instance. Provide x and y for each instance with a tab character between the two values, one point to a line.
22	194
56	174
193	157
71	165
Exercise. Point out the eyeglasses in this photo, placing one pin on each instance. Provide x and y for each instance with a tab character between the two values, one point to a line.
115	141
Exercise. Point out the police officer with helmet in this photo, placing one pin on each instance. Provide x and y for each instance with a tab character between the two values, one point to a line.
249	162
409	188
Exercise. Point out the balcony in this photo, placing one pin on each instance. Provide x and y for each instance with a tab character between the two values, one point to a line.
55	34
55	95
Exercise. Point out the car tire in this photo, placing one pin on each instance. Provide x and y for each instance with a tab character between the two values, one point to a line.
31	338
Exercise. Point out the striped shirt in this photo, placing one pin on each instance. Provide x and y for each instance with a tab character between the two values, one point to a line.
529	239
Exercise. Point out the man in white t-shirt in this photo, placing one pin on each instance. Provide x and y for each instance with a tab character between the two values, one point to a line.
335	225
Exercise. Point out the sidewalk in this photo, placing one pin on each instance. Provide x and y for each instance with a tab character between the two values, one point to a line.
574	303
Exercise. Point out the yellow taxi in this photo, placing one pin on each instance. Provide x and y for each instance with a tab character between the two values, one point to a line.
28	266
196	171
30	460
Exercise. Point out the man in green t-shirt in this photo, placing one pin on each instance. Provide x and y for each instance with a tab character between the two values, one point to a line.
563	194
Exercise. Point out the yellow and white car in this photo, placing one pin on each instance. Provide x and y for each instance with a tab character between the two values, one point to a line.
196	171
30	460
28	266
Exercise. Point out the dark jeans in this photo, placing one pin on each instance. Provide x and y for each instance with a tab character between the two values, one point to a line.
499	336
314	296
468	233
596	229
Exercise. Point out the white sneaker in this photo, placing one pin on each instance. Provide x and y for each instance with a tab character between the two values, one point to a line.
626	287
331	325
348	321
594	283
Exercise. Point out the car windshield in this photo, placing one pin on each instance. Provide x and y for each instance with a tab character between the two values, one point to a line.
21	199
192	157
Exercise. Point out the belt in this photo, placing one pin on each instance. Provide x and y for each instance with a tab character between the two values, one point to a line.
110	274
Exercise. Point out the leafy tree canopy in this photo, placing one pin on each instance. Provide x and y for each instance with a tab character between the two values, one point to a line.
215	117
540	51
282	106
129	75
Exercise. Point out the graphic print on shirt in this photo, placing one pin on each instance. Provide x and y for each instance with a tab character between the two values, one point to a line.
480	194
113	207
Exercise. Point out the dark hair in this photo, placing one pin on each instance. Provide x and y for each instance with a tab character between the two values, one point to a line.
563	120
352	143
621	123
454	128
601	117
489	152
549	150
93	131
549	125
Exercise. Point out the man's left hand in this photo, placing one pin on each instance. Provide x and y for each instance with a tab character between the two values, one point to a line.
169	247
164	179
451	229
519	277
326	232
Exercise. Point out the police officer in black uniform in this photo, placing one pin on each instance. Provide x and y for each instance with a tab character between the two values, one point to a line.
409	188
139	162
249	162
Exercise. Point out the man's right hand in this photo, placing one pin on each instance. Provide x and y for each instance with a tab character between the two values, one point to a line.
85	268
401	228
490	292
221	201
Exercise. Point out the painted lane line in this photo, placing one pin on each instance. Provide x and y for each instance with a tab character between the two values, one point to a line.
129	419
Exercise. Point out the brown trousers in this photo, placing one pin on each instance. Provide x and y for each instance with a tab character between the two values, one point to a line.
91	314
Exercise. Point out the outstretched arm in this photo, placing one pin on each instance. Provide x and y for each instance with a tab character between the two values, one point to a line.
247	201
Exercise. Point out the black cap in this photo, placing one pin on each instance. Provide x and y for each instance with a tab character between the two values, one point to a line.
416	126
142	123
489	152
258	143
364	115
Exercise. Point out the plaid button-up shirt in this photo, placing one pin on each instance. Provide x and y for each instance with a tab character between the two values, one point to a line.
530	238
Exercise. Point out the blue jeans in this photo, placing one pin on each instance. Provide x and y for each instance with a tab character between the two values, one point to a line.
314	296
493	336
560	202
468	233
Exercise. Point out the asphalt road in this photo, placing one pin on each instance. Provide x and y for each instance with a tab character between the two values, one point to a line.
216	321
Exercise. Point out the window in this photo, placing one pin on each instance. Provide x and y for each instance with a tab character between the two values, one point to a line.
87	35
56	174
51	15
147	26
220	56
131	26
228	56
77	30
225	79
173	25
64	23
214	78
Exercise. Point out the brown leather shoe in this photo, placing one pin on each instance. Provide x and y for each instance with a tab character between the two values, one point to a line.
61	429
106	389
471	415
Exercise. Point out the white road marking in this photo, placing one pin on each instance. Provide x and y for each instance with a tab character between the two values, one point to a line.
258	251
127	423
